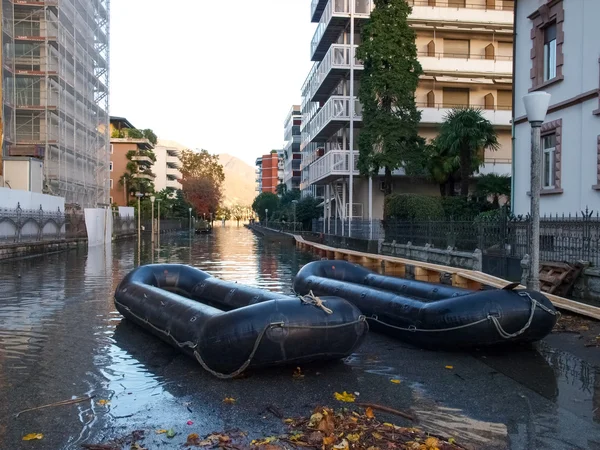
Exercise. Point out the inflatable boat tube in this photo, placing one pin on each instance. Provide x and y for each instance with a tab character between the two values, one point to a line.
462	319
260	329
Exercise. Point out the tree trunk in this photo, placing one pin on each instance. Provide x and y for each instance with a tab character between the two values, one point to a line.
450	186
388	181
443	189
465	171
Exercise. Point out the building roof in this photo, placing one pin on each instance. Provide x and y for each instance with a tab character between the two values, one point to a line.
122	121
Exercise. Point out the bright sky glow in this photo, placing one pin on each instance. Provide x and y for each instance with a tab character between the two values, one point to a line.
219	75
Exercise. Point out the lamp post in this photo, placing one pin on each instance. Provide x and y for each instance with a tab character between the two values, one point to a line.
266	218
152	200
139	195
536	107
190	210
295	202
158	221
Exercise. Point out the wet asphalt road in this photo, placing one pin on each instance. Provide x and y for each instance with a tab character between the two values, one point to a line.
60	337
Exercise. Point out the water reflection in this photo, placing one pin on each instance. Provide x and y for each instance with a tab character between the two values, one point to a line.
60	337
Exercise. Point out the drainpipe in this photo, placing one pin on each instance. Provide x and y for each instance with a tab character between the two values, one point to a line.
512	161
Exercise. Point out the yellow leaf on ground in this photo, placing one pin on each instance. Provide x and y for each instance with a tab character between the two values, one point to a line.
289	421
432	443
395	381
315	419
376	435
451	440
369	413
342	445
387	424
353	437
103	402
33	436
229	400
160	431
344	397
328	440
449	367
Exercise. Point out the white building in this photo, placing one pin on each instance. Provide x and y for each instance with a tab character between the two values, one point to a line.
558	51
465	48
167	166
291	151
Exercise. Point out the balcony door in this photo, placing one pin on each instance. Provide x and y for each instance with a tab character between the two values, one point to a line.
456	48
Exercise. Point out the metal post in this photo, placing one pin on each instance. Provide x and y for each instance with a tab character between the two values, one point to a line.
351	162
139	230
152	199
371	208
536	187
158	224
190	224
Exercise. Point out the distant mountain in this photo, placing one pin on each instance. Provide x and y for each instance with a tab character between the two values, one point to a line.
240	184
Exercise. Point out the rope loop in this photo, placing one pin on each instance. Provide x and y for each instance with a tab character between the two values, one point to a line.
312	299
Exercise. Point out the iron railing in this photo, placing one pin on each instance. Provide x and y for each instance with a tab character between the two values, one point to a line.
569	238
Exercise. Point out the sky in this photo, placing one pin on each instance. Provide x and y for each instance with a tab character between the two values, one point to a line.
219	75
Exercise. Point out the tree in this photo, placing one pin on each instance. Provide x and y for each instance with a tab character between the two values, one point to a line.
130	180
202	164
202	194
237	212
467	134
389	137
494	185
308	209
441	167
265	200
281	189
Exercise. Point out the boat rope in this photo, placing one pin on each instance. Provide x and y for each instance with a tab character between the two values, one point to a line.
312	299
244	366
534	304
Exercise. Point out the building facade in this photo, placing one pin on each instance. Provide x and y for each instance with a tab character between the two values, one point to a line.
291	152
465	49
131	162
168	165
558	51
269	171
55	74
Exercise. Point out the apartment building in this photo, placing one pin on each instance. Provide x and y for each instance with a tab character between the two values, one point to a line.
269	171
168	165
557	50
131	159
55	73
465	48
291	151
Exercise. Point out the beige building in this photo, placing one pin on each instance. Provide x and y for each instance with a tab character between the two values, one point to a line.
167	166
465	49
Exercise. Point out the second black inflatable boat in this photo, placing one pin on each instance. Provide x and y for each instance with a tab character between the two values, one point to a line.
432	315
183	306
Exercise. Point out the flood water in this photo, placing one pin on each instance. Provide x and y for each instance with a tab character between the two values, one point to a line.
61	338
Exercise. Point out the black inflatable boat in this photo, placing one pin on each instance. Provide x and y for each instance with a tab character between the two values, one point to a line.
184	306
432	315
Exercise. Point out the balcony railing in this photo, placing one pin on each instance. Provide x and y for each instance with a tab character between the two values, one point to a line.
145	160
332	163
336	109
338	9
457	63
470	13
337	57
436	112
498	5
499	166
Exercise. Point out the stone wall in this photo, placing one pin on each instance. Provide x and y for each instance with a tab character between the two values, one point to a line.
587	286
448	257
20	250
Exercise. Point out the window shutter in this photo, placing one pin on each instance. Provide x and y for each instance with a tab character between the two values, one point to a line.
490	52
505	99
489	101
456	48
454	98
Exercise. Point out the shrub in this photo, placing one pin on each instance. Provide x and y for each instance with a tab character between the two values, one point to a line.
413	207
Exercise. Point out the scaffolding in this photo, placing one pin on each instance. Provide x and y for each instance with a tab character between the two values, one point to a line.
55	64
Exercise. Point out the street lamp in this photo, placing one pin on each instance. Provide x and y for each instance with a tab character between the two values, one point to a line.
266	218
152	199
139	195
536	107
158	220
190	210
295	202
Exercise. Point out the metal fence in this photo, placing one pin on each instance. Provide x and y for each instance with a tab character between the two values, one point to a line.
567	238
18	225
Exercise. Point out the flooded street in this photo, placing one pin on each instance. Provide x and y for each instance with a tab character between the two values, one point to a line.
61	337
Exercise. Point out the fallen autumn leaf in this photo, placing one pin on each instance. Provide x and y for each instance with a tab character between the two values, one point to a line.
344	397
33	436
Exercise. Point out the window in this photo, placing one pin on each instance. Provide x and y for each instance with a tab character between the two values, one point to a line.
111	166
456	98
457	48
111	149
505	100
111	183
111	201
597	186
550	52
548	160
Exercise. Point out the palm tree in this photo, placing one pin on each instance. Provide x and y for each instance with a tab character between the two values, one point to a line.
494	185
441	167
467	134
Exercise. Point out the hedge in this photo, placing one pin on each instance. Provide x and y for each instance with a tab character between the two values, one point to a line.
413	207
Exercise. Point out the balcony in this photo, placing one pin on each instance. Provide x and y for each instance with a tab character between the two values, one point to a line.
474	12
332	116
142	160
334	19
316	9
145	175
499	166
330	166
435	113
173	184
476	66
173	172
335	65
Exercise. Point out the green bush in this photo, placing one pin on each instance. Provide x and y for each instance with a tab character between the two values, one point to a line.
413	207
